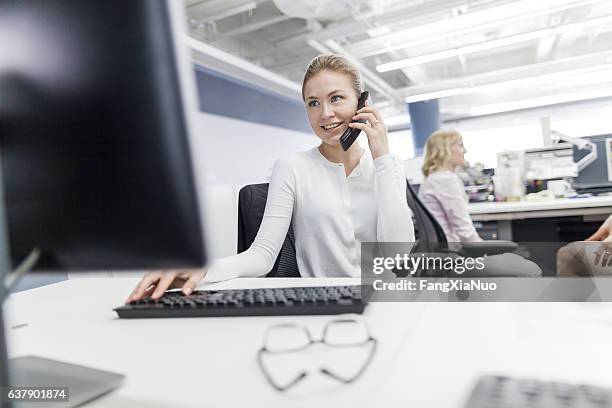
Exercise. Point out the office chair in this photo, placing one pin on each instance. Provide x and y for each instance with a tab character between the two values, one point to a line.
433	239
251	205
252	202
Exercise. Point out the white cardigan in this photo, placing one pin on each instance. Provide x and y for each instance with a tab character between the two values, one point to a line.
332	214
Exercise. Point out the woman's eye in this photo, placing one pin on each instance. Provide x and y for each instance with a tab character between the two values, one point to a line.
313	103
336	98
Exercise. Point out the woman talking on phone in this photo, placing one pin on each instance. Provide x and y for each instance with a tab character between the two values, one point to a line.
336	198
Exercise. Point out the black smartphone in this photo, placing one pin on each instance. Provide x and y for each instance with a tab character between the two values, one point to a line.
350	135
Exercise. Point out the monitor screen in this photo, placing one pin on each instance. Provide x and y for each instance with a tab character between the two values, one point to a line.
94	149
597	176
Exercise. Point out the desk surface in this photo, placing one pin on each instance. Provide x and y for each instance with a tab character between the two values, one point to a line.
563	207
557	204
429	353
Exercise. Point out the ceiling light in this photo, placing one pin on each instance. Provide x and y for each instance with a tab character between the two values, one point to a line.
598	72
540	101
378	31
461	25
437	94
487	45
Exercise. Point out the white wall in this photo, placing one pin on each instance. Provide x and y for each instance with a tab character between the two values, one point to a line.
237	152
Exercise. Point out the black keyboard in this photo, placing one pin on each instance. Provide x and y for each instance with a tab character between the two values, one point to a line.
320	300
507	392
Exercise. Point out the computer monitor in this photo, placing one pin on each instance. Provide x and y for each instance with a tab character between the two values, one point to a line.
597	176
94	147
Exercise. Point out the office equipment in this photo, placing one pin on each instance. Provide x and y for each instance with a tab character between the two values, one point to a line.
509	179
82	383
559	188
96	166
507	392
559	159
250	302
550	162
95	154
597	178
477	183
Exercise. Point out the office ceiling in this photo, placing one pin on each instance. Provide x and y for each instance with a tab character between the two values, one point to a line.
476	56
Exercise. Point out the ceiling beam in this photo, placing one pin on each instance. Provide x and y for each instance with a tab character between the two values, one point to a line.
231	65
249	28
214	10
407	9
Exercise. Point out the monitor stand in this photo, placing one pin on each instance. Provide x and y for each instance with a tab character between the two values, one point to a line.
81	383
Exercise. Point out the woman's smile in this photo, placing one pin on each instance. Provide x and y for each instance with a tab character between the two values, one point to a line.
333	129
331	126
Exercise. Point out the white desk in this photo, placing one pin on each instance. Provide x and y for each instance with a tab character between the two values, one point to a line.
429	353
540	209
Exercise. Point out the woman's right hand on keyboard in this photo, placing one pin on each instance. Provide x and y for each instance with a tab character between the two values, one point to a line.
154	284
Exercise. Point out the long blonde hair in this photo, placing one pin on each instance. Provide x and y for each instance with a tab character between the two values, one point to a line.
335	63
438	150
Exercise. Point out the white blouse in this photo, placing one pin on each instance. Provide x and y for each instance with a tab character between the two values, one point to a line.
443	194
332	214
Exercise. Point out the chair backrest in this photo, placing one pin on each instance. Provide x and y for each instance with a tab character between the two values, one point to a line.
430	233
251	205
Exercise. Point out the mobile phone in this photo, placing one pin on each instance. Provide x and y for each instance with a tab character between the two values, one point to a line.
350	135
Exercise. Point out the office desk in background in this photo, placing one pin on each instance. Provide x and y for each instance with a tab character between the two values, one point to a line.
429	355
562	207
541	227
560	220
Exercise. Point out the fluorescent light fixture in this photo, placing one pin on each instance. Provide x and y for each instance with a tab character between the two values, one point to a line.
378	31
502	42
487	45
540	101
598	72
438	94
463	24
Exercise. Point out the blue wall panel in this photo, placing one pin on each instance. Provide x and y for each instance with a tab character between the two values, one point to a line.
424	120
222	95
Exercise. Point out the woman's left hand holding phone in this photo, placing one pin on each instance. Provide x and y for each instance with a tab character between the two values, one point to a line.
375	130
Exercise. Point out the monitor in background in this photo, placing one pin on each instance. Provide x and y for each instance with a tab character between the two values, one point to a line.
94	148
597	176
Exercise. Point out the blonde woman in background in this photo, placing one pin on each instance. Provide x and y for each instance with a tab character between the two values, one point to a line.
442	190
443	193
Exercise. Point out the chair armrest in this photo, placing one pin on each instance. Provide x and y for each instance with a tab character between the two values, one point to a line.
492	247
